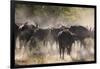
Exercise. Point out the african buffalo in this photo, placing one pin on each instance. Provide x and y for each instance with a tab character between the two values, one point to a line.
81	33
25	33
66	39
54	33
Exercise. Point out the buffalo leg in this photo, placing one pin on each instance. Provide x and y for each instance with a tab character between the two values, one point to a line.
69	50
63	50
60	51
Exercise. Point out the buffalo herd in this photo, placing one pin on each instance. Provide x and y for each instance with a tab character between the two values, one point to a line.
64	36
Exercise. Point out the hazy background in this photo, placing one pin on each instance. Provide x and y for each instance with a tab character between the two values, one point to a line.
54	16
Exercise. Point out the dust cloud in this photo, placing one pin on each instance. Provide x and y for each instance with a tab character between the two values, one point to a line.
83	17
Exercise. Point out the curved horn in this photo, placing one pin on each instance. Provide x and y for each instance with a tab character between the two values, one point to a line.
21	26
73	33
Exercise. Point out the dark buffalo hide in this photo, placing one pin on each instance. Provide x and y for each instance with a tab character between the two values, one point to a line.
54	33
41	35
81	33
25	33
65	39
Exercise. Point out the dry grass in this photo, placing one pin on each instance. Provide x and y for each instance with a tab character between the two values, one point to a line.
44	55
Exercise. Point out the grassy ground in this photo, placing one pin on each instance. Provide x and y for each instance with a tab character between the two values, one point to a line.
48	54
